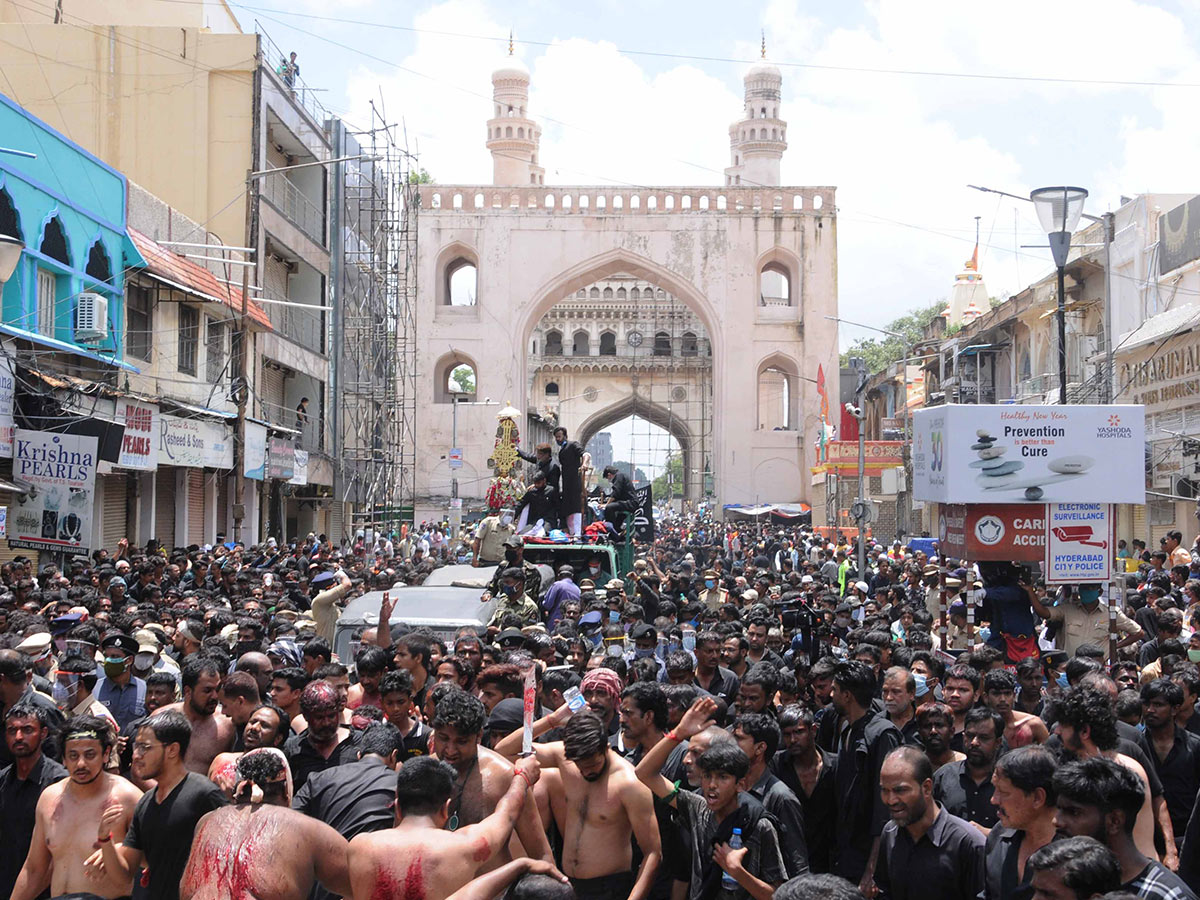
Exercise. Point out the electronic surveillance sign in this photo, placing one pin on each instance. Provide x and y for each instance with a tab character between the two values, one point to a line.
1029	454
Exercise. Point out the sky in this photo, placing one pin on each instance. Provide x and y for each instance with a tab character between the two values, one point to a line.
900	104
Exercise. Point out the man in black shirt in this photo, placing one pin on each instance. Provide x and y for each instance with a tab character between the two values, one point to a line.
396	690
924	851
808	771
356	797
164	821
1024	798
325	743
26	726
711	676
964	788
759	737
1176	752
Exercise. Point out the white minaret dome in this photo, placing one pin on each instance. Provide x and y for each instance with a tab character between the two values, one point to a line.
758	139
512	136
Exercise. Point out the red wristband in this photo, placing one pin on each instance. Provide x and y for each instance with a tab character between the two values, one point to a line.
521	772
672	736
105	840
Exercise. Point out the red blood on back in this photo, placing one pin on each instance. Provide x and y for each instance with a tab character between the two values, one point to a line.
481	850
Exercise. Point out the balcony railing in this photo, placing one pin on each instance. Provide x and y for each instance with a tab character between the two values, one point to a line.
282	193
312	434
297	323
275	60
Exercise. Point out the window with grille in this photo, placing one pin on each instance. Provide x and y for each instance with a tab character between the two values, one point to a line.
138	323
46	286
214	345
189	339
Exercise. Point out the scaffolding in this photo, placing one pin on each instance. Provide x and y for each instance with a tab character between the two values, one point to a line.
375	246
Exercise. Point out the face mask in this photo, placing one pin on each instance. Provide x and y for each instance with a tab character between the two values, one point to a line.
1194	655
672	646
1089	596
80	648
842	621
919	682
641	653
710	584
1061	679
689	641
506	520
510	556
614	615
595	570
114	668
63	693
508	589
143	661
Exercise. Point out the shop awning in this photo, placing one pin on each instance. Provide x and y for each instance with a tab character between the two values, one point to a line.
66	347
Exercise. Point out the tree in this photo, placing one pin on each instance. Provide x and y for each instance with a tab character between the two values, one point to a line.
463	379
670	483
878	354
420	176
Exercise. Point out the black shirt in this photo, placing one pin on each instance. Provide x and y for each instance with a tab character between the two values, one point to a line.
861	813
724	684
957	792
820	808
18	805
305	759
416	742
164	831
1001	855
780	801
1180	776
946	863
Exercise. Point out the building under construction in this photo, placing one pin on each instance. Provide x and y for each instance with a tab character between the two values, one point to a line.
373	251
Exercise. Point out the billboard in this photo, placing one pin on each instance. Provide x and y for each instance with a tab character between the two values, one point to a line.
56	514
1079	542
194	443
992	532
1179	236
138	444
1029	454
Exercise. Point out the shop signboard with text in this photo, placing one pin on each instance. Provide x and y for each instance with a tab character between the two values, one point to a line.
194	443
56	514
1002	453
139	444
992	532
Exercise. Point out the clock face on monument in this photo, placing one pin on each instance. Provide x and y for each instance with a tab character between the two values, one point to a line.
634	339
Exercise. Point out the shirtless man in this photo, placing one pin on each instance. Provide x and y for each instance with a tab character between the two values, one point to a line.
259	848
418	857
601	803
484	776
64	832
212	732
1000	694
268	727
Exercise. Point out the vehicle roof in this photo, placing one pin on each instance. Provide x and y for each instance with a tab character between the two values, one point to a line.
421	605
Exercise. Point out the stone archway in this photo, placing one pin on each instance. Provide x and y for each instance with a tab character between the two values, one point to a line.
633	405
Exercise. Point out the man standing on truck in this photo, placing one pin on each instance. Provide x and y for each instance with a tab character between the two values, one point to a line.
570	459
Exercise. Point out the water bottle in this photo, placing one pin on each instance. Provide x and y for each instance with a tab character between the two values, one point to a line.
735	843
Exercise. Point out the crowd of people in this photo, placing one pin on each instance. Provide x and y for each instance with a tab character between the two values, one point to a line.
744	713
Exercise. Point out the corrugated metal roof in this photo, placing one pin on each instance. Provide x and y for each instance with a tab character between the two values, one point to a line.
189	276
1159	327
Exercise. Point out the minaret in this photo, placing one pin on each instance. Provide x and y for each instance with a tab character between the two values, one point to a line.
512	137
757	142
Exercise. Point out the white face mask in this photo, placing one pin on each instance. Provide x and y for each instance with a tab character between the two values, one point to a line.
506	519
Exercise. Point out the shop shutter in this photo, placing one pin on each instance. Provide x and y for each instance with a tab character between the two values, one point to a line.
195	515
270	391
164	506
337	522
224	503
112	511
1139	523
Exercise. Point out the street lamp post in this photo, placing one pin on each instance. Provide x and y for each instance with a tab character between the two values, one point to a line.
1059	209
10	254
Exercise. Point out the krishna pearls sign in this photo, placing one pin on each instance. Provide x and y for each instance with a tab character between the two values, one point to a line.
56	514
1029	454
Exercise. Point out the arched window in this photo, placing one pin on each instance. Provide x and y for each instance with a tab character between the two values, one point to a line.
635	294
608	293
608	344
54	242
689	346
554	345
456	377
552	389
98	265
778	395
774	285
508	131
581	344
594	293
462	283
10	222
521	133
622	294
662	344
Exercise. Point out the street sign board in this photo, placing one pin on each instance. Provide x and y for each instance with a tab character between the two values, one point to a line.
456	457
1079	543
992	532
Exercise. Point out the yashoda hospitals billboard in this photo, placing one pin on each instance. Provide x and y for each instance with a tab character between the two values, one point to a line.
1029	454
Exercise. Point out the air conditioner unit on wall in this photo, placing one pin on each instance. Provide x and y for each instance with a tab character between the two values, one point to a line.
91	317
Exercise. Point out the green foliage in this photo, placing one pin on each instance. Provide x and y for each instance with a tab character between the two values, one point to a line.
463	378
879	353
670	483
420	176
